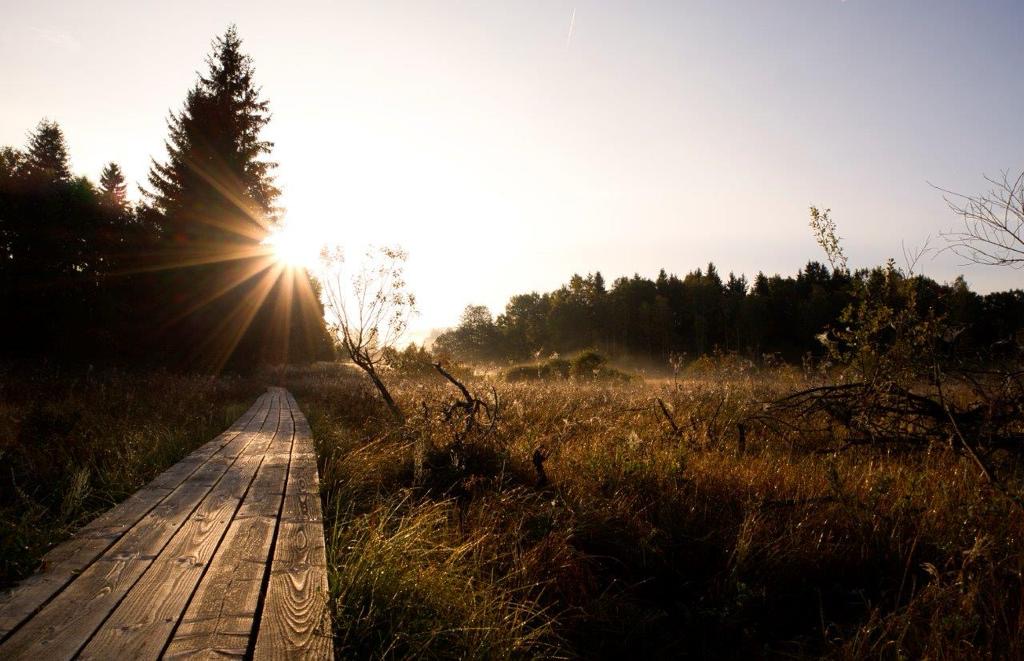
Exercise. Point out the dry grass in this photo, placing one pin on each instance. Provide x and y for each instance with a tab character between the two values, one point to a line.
74	444
647	541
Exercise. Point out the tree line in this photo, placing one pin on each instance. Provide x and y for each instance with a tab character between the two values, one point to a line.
700	313
181	279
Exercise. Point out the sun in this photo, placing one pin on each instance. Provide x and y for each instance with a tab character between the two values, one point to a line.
294	248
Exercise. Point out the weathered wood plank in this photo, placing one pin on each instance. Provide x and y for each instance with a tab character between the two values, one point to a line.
142	623
221	617
66	561
67	622
229	538
177	473
302	500
295	620
219	621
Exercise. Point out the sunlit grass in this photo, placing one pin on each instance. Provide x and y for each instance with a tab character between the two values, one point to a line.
648	542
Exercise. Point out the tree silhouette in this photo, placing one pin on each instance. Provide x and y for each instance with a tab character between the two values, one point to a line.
216	187
213	200
652	321
113	187
47	160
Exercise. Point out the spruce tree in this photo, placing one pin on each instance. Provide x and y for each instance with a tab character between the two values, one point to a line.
112	186
221	299
216	188
47	159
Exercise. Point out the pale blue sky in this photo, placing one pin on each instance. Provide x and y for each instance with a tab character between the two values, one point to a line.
505	154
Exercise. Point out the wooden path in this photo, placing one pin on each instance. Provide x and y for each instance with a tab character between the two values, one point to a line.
220	556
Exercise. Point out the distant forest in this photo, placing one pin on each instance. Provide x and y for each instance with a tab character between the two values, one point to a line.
776	316
180	280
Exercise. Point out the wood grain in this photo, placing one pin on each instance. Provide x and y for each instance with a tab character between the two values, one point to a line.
64	625
142	624
66	561
222	555
295	621
220	618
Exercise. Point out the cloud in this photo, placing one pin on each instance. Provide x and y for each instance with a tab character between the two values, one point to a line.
56	37
572	29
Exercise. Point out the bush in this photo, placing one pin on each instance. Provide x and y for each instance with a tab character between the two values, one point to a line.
551	369
412	361
587	364
593	365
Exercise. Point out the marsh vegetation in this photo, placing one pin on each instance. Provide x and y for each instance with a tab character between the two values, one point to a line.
654	533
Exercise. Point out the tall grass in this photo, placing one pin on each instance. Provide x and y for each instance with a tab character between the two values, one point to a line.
650	542
73	444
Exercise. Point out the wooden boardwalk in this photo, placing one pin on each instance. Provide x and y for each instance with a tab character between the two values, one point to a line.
220	556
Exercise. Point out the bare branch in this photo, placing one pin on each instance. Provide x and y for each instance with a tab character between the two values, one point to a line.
993	223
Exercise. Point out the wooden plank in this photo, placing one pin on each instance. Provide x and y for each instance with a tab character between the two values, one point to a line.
302	500
240	541
295	620
143	622
220	619
66	561
177	473
64	625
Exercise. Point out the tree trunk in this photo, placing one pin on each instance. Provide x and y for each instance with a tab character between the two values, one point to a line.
367	367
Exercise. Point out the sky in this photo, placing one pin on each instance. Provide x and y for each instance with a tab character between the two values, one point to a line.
506	146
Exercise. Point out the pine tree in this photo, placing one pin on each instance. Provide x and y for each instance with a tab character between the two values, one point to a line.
216	187
221	299
47	159
112	186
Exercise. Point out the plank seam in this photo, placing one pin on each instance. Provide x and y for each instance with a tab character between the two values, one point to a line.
252	480
170	537
14	629
250	650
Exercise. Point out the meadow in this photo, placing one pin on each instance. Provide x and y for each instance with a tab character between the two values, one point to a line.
581	518
567	517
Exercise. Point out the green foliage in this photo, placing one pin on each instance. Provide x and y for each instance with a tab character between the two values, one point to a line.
476	337
721	365
648	321
68	286
407	557
587	364
47	159
232	196
414	360
824	229
551	369
213	218
889	334
113	187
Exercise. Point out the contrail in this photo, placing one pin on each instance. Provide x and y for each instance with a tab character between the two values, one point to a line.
572	29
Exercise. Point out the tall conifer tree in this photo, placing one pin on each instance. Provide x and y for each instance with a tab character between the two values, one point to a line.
224	300
47	159
216	188
113	187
